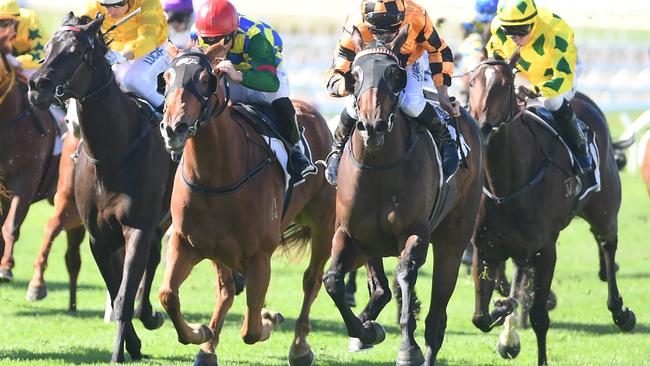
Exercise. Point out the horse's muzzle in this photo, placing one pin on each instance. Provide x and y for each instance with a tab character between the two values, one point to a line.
174	137
40	92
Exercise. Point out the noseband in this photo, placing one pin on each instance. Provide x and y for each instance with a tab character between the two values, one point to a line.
186	70
63	91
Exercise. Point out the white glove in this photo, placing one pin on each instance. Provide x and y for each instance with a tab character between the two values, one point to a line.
114	57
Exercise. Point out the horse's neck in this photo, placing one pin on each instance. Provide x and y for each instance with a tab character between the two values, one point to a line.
513	156
217	155
393	148
107	123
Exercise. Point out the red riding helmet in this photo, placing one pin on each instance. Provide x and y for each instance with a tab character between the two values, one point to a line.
216	18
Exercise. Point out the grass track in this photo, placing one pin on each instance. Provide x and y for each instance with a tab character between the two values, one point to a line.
582	332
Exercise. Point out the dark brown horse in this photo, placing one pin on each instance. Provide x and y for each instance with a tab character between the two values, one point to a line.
27	165
391	201
65	217
121	183
227	204
530	196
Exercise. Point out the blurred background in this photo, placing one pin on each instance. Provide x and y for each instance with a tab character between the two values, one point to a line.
613	39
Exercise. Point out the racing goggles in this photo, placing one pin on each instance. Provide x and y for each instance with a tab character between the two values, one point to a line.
517	30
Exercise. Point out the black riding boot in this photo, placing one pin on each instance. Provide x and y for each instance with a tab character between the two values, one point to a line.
443	138
286	114
570	129
341	136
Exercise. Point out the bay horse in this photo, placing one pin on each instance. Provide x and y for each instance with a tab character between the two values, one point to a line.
227	204
530	196
65	217
122	177
392	201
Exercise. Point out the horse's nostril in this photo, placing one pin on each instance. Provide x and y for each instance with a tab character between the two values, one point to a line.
361	126
381	127
181	128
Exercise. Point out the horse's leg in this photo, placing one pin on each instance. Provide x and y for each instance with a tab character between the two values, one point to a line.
37	288
343	259
75	237
380	295
502	285
351	288
258	273
300	353
180	260
137	244
10	232
623	317
544	264
111	271
225	289
149	318
484	269
411	259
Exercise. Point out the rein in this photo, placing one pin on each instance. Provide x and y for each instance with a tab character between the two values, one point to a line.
413	141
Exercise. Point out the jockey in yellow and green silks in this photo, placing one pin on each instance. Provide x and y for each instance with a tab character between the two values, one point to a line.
547	63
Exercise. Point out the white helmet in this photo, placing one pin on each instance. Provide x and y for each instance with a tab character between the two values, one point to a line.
110	2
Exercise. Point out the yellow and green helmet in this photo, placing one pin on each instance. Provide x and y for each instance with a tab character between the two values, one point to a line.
9	9
516	12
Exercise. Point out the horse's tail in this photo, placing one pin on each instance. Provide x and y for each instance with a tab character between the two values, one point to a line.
4	193
619	151
295	239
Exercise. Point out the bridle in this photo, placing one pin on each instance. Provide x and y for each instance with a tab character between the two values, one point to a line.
63	91
186	69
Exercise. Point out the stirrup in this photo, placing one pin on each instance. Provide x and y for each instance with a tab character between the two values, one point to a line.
332	166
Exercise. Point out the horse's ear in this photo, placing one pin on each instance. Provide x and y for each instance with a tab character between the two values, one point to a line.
216	52
356	39
483	56
68	17
512	61
396	44
95	25
172	50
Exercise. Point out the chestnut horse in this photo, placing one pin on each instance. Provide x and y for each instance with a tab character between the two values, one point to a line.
531	196
392	201
121	184
65	217
227	204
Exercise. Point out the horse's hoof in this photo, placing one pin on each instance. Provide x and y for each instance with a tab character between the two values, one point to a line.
35	293
155	321
410	357
205	359
356	345
551	303
275	317
377	329
349	298
626	321
305	360
6	275
117	359
508	352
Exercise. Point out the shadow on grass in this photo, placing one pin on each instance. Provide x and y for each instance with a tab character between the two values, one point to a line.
78	355
635	275
53	285
598	328
81	314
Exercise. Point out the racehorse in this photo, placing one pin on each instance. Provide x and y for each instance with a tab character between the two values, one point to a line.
121	183
227	203
530	195
65	217
392	200
28	166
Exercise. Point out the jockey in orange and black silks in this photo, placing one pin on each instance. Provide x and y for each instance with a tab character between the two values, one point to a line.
382	20
254	66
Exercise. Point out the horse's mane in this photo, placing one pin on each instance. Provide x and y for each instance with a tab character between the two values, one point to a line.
103	41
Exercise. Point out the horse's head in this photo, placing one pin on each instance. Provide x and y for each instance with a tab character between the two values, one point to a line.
492	98
76	49
378	80
189	86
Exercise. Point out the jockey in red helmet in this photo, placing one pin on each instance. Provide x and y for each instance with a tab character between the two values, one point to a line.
253	64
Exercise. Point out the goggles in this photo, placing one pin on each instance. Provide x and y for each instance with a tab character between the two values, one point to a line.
517	30
116	5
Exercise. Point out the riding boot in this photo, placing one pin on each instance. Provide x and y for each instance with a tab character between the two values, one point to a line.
286	114
570	130
341	136
441	135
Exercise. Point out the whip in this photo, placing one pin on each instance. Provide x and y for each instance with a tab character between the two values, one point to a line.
134	13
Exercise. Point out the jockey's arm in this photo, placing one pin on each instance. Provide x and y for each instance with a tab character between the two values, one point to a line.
563	65
263	76
30	42
150	29
335	78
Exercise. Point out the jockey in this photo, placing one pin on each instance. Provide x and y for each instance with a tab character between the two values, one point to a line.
137	53
547	64
254	65
384	19
28	46
180	16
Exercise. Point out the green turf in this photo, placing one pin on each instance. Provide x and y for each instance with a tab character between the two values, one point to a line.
582	332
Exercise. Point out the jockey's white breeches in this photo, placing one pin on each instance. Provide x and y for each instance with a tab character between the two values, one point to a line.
552	103
242	94
140	76
411	100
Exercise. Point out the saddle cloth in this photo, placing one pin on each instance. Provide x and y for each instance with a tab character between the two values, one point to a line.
263	120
